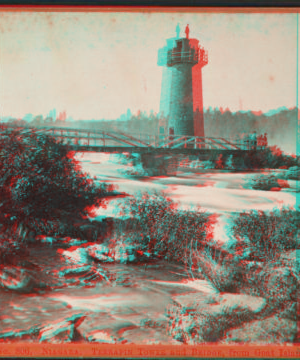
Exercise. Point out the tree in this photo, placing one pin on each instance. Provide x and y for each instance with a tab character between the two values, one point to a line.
42	186
38	120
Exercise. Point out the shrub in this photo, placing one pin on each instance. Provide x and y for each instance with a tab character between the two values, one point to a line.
163	229
268	235
11	253
225	274
270	157
238	163
293	173
280	284
41	185
268	182
208	164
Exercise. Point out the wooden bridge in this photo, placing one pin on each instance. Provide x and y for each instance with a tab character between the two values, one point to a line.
116	141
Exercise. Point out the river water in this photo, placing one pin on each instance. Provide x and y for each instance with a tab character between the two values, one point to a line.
219	192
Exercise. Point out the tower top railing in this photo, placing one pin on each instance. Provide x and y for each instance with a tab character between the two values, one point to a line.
173	56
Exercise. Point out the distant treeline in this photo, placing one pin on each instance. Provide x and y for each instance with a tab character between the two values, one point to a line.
142	123
281	127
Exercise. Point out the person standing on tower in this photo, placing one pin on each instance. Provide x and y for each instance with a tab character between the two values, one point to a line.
187	31
178	31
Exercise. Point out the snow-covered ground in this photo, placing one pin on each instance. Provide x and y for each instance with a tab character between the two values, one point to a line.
219	193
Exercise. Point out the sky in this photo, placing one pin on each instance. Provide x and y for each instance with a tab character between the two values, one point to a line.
96	65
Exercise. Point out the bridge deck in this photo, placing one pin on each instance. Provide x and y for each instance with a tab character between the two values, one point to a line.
153	150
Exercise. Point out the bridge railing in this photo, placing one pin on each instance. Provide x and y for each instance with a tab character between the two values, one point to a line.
197	142
95	137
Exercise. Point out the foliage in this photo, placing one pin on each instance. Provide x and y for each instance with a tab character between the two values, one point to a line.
268	182
42	186
224	273
260	237
293	173
166	230
268	158
11	252
268	234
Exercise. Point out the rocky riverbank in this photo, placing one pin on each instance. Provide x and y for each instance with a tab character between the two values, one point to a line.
88	294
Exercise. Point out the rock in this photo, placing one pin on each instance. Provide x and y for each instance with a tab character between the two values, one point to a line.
292	255
96	274
252	265
253	304
18	279
206	317
85	275
121	257
100	321
76	270
155	324
194	301
67	241
78	256
272	330
280	286
122	253
293	173
21	335
102	337
125	253
100	253
291	259
59	332
182	325
288	310
131	258
28	265
89	232
102	257
142	335
46	239
71	242
63	331
207	325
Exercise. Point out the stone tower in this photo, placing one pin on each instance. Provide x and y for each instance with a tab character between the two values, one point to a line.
181	103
